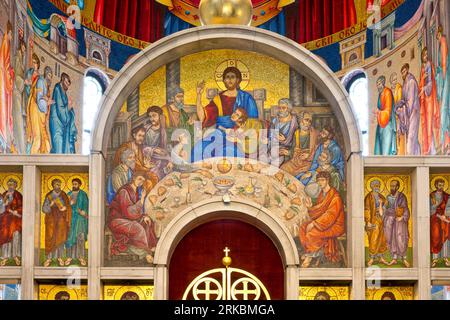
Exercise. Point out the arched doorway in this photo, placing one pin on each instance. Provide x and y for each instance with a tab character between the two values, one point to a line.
202	250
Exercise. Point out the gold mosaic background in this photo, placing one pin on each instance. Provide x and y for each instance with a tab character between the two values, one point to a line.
66	185
400	293
336	293
116	292
405	187
5	176
264	73
446	178
49	291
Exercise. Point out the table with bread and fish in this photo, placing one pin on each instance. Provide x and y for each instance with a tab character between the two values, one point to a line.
280	193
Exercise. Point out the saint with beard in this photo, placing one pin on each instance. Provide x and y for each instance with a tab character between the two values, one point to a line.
395	220
76	242
286	124
373	218
440	223
39	101
121	174
175	115
62	118
58	217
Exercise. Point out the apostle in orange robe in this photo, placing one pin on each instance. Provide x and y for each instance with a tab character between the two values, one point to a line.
429	107
6	88
319	235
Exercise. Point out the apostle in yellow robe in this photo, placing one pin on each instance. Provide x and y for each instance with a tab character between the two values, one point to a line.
373	218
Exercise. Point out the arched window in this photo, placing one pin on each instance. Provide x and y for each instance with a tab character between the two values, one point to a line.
356	84
95	84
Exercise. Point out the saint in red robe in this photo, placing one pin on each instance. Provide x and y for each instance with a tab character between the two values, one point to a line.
6	90
213	110
440	232
329	223
429	108
10	223
126	223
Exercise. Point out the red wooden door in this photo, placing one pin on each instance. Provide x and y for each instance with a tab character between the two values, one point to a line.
202	250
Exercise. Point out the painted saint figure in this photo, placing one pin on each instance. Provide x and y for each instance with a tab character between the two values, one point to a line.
18	98
440	223
395	221
155	149
318	236
306	142
385	136
443	90
62	126
337	158
286	124
76	241
373	218
408	110
6	89
132	229
58	218
121	174
219	110
39	102
175	115
396	88
429	107
11	224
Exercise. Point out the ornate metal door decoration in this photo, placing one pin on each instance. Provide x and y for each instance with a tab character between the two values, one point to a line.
226	284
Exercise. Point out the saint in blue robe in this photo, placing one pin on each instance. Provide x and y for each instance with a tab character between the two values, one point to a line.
63	131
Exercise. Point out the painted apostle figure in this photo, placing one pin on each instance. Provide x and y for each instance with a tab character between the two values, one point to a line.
306	142
62	126
76	242
429	107
11	224
6	89
373	218
121	174
385	136
440	223
58	217
318	236
133	231
443	90
395	220
408	109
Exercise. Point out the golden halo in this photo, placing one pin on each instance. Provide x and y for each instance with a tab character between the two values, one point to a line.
310	293
400	180
134	289
379	292
51	178
369	181
15	177
433	188
56	289
84	184
218	74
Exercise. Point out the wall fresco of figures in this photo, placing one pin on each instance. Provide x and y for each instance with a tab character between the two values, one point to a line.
440	220
390	293
440	292
62	292
119	292
226	127
324	293
64	219
388	220
11	204
410	97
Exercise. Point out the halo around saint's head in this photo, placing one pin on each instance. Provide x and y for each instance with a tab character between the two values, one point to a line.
218	74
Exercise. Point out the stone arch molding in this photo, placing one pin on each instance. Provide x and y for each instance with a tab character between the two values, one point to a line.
214	209
225	37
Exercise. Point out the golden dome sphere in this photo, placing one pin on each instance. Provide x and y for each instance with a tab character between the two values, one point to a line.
226	261
226	12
